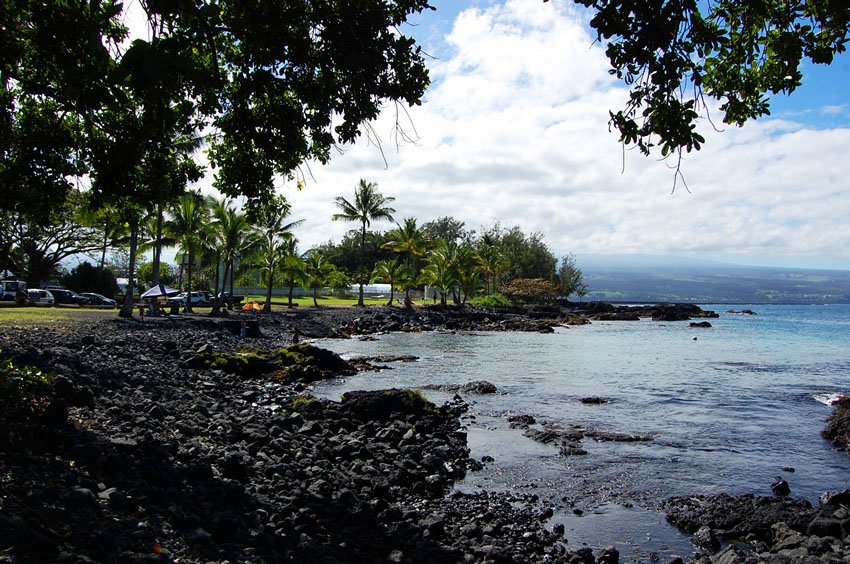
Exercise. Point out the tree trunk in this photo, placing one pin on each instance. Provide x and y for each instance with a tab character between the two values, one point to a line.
129	301
157	245
232	273
268	304
188	307
362	263
216	302
105	245
315	295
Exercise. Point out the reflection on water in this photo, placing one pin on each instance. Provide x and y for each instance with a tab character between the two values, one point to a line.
741	404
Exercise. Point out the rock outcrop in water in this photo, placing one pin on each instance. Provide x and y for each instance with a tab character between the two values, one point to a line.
838	425
764	529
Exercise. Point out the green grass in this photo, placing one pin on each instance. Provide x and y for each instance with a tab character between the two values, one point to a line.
34	316
11	315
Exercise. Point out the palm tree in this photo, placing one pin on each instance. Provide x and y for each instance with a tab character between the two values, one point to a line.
409	239
293	270
213	242
317	271
492	263
269	220
368	205
236	238
388	271
187	219
440	271
268	257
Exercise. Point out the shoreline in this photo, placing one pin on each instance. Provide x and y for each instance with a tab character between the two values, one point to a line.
230	466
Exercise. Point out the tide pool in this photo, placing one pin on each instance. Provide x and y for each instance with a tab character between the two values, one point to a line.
730	408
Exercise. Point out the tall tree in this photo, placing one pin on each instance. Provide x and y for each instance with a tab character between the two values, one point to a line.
34	249
236	239
274	83
388	272
293	270
409	239
269	218
368	205
570	277
317	270
187	219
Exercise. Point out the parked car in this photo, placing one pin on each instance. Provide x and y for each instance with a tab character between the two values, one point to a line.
13	290
200	298
40	297
93	299
67	297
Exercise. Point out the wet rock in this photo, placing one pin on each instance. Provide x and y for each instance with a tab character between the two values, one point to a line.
594	400
478	387
705	540
780	486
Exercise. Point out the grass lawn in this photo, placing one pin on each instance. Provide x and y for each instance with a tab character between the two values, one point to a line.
33	316
12	316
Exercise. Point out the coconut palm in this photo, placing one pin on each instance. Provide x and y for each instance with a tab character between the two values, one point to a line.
441	271
388	272
409	239
317	270
236	239
293	270
187	217
268	257
492	263
369	205
272	229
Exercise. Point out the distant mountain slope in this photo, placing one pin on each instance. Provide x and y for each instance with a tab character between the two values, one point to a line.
670	279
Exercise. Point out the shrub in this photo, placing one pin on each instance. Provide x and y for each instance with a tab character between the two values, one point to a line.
533	290
493	300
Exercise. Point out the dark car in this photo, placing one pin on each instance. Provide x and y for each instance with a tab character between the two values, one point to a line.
67	297
93	299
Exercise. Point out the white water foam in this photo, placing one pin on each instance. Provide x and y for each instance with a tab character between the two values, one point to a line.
828	398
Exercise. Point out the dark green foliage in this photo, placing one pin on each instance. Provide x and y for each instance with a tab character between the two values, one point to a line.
571	278
673	52
275	83
525	256
86	277
492	301
346	254
167	275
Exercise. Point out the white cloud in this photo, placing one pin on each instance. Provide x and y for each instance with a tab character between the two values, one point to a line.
515	129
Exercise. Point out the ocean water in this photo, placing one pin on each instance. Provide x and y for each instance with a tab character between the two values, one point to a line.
730	408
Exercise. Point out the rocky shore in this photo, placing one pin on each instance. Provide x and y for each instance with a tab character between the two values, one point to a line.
176	439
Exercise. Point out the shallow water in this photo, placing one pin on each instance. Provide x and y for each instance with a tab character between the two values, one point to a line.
742	403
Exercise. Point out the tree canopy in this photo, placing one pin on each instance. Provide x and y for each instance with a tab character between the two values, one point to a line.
268	84
676	53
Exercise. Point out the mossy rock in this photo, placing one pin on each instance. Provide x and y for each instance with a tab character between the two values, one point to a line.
301	363
384	404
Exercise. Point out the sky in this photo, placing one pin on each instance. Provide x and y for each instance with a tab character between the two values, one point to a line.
514	129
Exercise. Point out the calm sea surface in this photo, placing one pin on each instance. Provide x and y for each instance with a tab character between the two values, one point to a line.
742	403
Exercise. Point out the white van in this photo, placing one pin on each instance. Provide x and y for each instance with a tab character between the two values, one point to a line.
40	297
13	290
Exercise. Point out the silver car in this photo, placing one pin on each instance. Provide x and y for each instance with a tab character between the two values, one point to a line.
40	297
